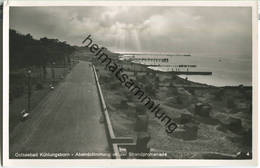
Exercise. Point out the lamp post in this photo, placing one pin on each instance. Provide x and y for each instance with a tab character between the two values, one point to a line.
53	72
29	90
64	66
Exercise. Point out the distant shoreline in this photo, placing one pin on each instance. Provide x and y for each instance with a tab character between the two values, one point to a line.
194	82
238	85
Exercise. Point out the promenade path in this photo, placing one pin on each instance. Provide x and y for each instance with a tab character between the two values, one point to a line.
67	120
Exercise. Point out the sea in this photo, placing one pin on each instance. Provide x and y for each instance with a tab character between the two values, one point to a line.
226	71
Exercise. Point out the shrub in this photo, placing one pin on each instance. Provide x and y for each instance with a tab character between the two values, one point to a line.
39	86
230	103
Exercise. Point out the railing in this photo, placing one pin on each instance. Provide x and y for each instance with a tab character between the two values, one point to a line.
114	142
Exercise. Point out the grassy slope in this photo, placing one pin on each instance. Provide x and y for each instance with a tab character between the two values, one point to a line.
210	140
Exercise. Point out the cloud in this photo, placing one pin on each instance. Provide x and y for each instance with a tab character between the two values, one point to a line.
210	31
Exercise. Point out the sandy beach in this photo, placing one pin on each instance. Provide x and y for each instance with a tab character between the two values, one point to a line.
221	132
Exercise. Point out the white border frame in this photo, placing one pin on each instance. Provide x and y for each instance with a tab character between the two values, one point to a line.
135	162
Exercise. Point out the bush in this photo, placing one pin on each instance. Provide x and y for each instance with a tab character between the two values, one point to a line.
123	103
234	124
17	85
39	86
18	91
174	91
129	96
179	100
218	94
114	86
230	103
150	90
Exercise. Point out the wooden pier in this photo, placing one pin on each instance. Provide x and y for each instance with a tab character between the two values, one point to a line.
151	59
175	72
191	73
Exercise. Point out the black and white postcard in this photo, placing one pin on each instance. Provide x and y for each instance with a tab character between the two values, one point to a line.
130	83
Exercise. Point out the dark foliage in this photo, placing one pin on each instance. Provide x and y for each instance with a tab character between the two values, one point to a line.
29	53
26	51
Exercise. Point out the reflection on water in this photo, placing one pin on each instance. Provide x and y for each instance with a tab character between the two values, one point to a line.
225	71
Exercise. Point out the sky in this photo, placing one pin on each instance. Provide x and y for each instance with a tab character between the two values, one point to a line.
209	31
